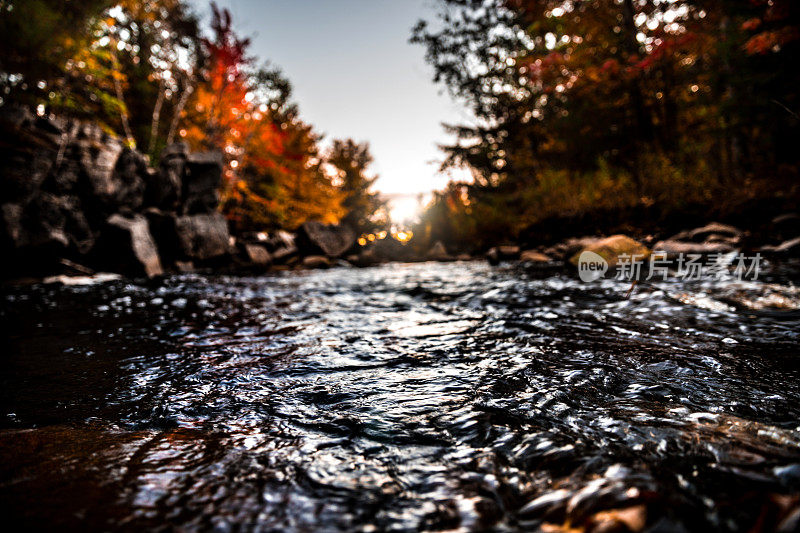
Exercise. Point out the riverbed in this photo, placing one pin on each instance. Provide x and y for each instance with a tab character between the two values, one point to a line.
431	396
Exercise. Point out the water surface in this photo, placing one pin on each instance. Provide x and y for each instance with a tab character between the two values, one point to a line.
401	397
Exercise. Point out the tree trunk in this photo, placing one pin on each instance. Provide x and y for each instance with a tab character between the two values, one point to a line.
156	118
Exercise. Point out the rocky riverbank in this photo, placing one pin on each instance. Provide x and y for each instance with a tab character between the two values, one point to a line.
76	200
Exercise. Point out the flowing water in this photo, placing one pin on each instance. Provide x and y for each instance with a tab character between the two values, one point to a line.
400	397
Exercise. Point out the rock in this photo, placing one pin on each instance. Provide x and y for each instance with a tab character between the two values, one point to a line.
94	279
368	257
203	236
611	248
630	519
673	249
330	240
257	255
703	233
164	187
463	257
165	233
126	246
502	253
280	239
786	226
438	252
316	261
532	256
282	246
48	221
128	181
388	249
570	247
201	183
790	248
184	266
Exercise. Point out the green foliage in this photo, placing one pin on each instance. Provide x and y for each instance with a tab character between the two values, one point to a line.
364	210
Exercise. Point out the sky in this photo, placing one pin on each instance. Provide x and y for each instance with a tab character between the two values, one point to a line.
355	74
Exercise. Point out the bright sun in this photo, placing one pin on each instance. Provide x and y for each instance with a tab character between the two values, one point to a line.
406	207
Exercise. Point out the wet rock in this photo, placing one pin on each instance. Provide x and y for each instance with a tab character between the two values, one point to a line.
704	233
126	246
201	183
785	227
570	247
316	261
281	246
257	255
203	236
532	256
673	249
612	248
630	519
502	253
184	266
788	248
549	506
94	279
330	240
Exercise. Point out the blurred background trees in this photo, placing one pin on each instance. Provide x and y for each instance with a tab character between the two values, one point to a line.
146	72
364	210
582	105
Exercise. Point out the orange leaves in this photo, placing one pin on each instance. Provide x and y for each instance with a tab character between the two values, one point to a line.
751	25
771	40
775	25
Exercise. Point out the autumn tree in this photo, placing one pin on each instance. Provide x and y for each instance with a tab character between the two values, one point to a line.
659	101
273	166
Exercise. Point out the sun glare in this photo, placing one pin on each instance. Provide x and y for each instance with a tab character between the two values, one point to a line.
404	208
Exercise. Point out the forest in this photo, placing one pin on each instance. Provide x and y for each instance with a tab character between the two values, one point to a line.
604	110
607	110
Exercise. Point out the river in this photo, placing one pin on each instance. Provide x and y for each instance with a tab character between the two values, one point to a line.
400	397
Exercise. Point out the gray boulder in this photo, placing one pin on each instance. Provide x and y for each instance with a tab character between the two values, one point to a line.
201	183
128	183
203	237
126	246
164	187
282	247
331	240
257	255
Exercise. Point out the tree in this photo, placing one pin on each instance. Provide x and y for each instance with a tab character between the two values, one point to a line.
364	210
37	37
663	102
273	167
